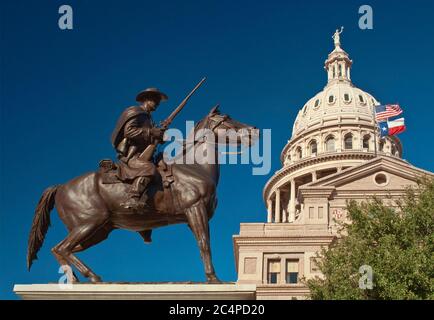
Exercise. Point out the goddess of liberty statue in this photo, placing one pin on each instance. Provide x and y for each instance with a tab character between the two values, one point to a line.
336	37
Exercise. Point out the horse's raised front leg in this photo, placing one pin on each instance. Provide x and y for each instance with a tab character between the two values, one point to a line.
197	218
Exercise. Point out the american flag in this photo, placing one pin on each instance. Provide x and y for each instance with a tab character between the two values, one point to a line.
384	112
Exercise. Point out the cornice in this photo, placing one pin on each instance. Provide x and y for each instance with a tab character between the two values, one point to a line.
306	162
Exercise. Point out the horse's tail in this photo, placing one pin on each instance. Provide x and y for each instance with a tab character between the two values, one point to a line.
41	222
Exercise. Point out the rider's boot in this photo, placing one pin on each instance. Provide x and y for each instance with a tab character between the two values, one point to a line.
137	194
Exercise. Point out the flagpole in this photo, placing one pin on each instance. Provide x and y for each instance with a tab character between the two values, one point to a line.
375	131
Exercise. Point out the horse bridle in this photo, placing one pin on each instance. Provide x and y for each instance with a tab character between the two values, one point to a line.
202	139
212	127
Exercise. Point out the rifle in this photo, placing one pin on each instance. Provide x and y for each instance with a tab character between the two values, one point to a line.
149	151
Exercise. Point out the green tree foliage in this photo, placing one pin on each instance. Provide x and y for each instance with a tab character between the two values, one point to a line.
397	242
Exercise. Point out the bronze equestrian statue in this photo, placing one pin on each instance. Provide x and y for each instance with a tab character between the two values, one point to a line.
96	203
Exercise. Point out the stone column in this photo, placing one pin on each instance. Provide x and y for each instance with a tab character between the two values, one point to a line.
292	202
277	207
269	211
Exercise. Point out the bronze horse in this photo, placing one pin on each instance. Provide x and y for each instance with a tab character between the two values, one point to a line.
91	209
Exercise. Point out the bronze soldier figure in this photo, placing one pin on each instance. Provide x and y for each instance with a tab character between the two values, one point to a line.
134	132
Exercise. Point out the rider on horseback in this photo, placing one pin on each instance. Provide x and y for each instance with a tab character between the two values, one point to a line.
134	132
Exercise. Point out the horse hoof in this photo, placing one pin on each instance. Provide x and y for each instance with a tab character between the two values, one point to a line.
95	279
213	279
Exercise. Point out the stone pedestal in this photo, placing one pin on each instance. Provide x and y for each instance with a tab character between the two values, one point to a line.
139	291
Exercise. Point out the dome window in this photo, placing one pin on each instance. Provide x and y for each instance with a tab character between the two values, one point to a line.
304	110
347	98
330	144
298	153
316	103
348	141
366	139
331	99
287	159
361	99
313	147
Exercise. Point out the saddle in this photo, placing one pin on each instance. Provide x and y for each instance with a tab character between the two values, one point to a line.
108	171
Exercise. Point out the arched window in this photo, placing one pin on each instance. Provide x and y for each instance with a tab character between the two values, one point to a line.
361	99
298	153
313	147
381	145
346	97
348	141
366	139
316	103
330	144
340	70
331	98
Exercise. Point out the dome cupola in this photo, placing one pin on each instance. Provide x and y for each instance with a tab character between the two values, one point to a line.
338	63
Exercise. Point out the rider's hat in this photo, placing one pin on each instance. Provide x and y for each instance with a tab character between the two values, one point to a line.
151	93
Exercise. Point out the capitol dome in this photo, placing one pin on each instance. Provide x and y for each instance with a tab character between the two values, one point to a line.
334	131
336	99
339	98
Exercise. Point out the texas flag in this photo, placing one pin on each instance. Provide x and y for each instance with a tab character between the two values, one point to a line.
390	128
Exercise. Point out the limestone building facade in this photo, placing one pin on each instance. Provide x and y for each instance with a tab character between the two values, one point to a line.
335	154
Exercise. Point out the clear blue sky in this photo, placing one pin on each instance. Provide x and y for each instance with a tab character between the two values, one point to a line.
62	91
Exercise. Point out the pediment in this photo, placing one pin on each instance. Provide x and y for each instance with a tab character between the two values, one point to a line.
381	173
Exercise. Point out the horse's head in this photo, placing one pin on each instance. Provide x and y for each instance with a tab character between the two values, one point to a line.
228	130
